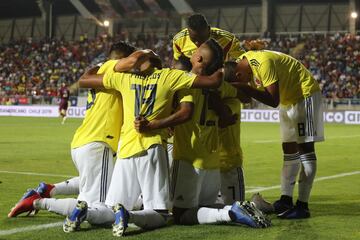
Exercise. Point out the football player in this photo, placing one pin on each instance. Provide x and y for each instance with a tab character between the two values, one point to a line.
64	95
286	82
92	149
142	166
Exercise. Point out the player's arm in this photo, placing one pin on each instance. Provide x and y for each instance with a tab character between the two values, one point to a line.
243	97
91	80
270	96
212	81
226	116
183	114
268	76
135	60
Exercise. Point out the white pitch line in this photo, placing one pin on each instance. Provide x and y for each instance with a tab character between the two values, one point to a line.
40	227
37	174
43	226
316	180
30	228
332	137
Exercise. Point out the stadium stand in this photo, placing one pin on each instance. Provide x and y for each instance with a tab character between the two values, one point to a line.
32	66
36	68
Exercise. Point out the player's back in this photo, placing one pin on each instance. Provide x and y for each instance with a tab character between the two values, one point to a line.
64	93
183	45
103	117
295	81
149	97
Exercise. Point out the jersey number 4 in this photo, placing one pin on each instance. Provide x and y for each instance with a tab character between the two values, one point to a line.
144	105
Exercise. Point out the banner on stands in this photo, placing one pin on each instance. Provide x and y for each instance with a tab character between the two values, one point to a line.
40	111
247	115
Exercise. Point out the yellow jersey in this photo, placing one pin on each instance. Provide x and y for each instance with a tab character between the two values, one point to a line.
197	140
149	96
182	44
184	95
103	117
230	152
295	81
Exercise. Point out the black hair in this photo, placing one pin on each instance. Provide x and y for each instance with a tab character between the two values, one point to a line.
122	47
229	71
218	57
197	22
185	63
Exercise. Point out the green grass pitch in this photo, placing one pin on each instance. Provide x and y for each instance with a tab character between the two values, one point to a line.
42	146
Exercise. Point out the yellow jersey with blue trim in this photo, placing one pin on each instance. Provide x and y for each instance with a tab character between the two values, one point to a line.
182	44
230	151
148	96
295	81
197	141
103	116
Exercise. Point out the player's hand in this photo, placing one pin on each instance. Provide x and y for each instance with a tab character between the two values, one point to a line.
141	124
230	120
218	74
171	131
215	101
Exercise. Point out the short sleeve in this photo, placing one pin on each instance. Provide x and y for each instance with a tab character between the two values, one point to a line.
236	50
176	50
267	73
112	80
106	66
185	95
180	79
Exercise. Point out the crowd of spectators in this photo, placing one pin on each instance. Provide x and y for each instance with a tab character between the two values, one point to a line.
335	63
36	68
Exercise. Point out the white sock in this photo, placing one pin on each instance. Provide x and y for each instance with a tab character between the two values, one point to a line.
68	187
60	206
100	214
147	219
307	175
213	215
291	166
227	207
205	215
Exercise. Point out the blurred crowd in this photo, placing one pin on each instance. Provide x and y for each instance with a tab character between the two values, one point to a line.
37	68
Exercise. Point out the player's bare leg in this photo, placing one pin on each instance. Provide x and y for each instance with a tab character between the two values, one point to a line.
63	116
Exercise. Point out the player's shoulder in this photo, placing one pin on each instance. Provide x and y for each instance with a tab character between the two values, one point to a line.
180	35
109	64
217	33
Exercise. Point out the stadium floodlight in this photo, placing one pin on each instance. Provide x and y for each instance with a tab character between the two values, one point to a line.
354	15
106	23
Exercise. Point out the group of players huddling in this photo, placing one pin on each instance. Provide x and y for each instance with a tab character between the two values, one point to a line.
184	119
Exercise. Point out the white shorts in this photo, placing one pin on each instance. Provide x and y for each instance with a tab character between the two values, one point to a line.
232	186
170	148
145	174
95	164
303	122
193	187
